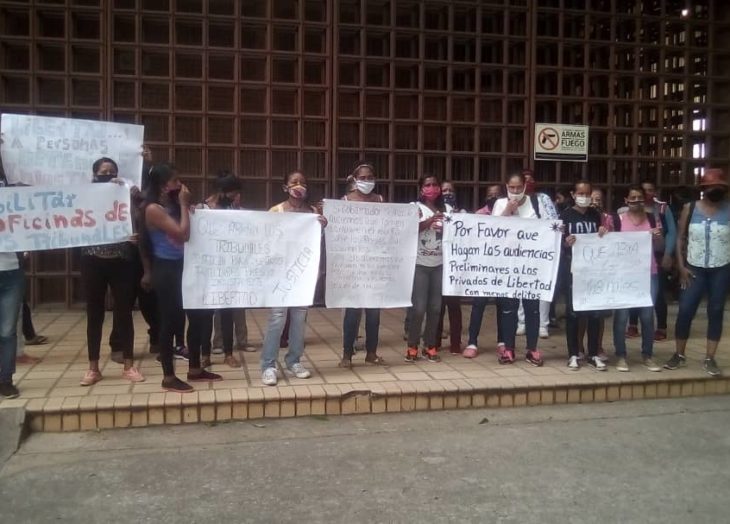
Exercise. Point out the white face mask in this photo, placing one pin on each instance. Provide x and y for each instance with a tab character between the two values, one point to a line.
515	196
365	186
583	201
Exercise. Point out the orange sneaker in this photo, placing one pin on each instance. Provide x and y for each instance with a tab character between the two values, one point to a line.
431	354
411	355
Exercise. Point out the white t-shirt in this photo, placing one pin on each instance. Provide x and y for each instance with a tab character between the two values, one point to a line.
430	253
524	211
9	261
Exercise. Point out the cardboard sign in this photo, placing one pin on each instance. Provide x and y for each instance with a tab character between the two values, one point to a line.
49	151
371	254
250	259
613	272
488	256
33	218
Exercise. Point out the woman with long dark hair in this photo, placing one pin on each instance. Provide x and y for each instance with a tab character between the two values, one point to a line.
167	221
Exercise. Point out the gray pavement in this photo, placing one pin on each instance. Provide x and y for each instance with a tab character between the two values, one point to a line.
643	461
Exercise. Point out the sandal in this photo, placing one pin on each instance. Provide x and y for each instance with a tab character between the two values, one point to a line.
374	359
345	363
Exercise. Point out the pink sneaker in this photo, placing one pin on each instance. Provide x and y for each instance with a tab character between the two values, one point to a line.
470	351
133	375
534	357
505	355
91	377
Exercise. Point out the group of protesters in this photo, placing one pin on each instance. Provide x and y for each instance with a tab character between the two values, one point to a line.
147	270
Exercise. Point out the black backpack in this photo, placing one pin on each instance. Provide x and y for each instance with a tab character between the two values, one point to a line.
617	221
535	204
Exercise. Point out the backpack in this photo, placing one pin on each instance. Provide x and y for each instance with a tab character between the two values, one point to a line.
535	204
617	221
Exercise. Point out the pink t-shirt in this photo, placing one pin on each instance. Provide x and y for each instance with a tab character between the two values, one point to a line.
628	225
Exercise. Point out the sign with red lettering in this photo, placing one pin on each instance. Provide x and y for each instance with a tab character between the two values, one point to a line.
250	259
561	142
49	151
55	217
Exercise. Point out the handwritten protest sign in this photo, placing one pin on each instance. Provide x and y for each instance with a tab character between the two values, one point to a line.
612	272
487	256
43	151
371	254
33	218
251	259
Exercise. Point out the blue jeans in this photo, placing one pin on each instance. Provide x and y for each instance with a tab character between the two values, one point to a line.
713	281
297	326
350	325
646	316
12	290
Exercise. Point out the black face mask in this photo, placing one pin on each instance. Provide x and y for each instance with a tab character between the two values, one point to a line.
450	199
716	194
562	206
103	178
490	202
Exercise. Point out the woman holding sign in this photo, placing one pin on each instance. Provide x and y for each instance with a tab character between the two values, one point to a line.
295	185
519	204
426	297
362	180
102	267
703	261
580	219
167	221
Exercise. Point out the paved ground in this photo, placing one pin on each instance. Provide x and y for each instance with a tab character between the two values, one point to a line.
661	461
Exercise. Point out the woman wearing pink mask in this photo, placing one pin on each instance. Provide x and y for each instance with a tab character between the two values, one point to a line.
426	297
295	185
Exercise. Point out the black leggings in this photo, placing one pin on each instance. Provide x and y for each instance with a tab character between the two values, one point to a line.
98	274
167	283
200	330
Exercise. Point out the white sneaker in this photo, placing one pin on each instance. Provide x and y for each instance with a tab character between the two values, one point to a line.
596	363
268	377
217	351
298	370
520	330
651	365
621	364
573	364
544	333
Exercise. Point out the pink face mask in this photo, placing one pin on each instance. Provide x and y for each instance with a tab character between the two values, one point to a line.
431	192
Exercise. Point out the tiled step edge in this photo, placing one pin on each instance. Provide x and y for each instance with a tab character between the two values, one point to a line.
214	406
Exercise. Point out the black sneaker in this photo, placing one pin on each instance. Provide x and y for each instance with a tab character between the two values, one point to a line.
677	361
180	353
204	376
710	367
7	390
175	385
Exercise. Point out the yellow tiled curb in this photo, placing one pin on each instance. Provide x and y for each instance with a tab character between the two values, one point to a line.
211	406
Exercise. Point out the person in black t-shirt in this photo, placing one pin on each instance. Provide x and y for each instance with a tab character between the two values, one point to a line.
580	219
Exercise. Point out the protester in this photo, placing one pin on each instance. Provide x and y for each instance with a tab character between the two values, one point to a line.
362	180
664	253
578	220
102	267
426	296
703	263
519	204
12	285
637	219
450	303
167	223
295	186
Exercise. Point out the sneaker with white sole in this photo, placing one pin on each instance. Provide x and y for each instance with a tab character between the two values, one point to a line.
544	333
573	363
217	351
520	330
269	377
298	370
650	365
596	363
622	365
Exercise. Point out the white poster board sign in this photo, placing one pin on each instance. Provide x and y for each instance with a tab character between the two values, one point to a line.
486	256
561	142
51	151
371	254
612	272
54	217
251	259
